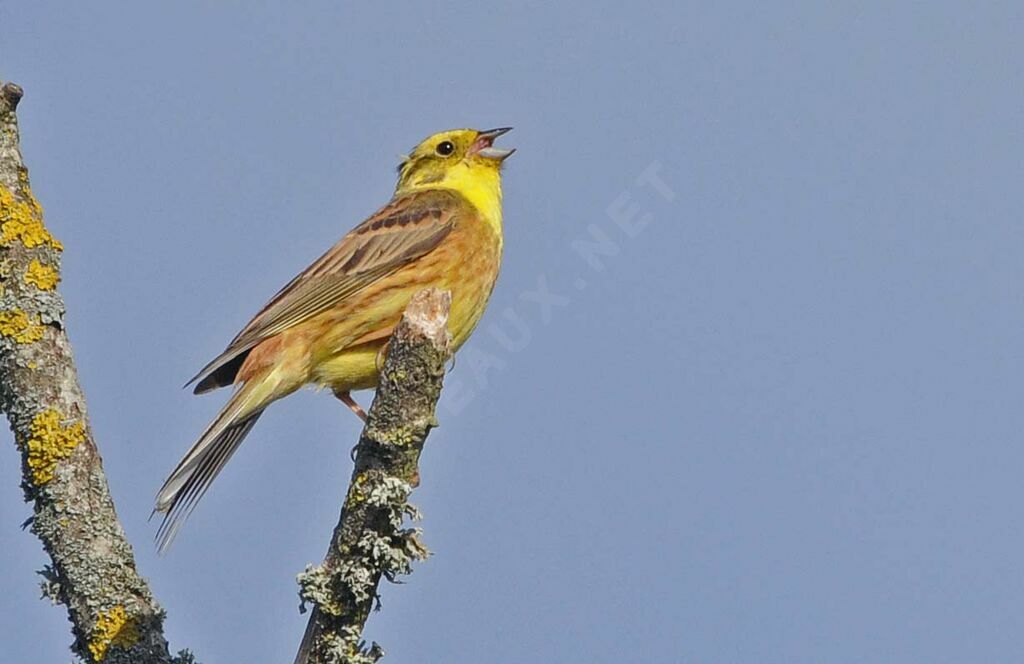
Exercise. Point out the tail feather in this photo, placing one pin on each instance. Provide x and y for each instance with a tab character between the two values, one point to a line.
200	466
191	483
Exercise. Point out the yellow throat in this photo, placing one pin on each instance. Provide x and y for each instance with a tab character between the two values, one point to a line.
481	186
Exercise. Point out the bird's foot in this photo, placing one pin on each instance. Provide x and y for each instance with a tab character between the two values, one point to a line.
382	354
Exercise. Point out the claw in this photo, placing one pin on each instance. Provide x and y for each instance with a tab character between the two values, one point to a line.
378	361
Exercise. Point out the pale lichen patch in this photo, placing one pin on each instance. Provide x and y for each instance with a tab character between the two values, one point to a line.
113	628
315	586
43	277
50	441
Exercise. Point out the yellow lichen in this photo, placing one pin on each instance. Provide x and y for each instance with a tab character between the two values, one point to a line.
43	277
17	325
356	493
113	628
23	220
49	442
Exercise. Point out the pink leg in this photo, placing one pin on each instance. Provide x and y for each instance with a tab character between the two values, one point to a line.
346	398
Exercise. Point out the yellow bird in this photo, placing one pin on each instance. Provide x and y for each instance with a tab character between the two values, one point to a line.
442	229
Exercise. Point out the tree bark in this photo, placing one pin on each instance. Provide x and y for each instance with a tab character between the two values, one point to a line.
114	616
371	540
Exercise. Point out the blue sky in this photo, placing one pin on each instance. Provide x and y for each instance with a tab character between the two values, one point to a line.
776	418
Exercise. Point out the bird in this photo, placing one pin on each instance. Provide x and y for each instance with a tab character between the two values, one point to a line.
329	326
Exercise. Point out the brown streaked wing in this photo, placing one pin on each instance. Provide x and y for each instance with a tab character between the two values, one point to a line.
404	230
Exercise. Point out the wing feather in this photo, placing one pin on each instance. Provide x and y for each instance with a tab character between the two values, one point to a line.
405	229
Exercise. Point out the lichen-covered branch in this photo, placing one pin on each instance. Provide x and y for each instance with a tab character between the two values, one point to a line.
113	614
371	539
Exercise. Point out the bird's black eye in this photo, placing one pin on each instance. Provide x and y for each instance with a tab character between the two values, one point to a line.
445	148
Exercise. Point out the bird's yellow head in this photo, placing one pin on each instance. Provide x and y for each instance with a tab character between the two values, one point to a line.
461	159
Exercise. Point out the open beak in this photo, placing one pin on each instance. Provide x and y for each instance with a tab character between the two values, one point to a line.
484	145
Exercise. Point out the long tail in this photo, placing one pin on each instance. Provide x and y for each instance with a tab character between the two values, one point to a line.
197	470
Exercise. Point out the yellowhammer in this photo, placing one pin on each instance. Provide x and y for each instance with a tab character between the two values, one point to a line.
442	229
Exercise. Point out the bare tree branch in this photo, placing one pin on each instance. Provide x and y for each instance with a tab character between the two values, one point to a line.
114	616
371	540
